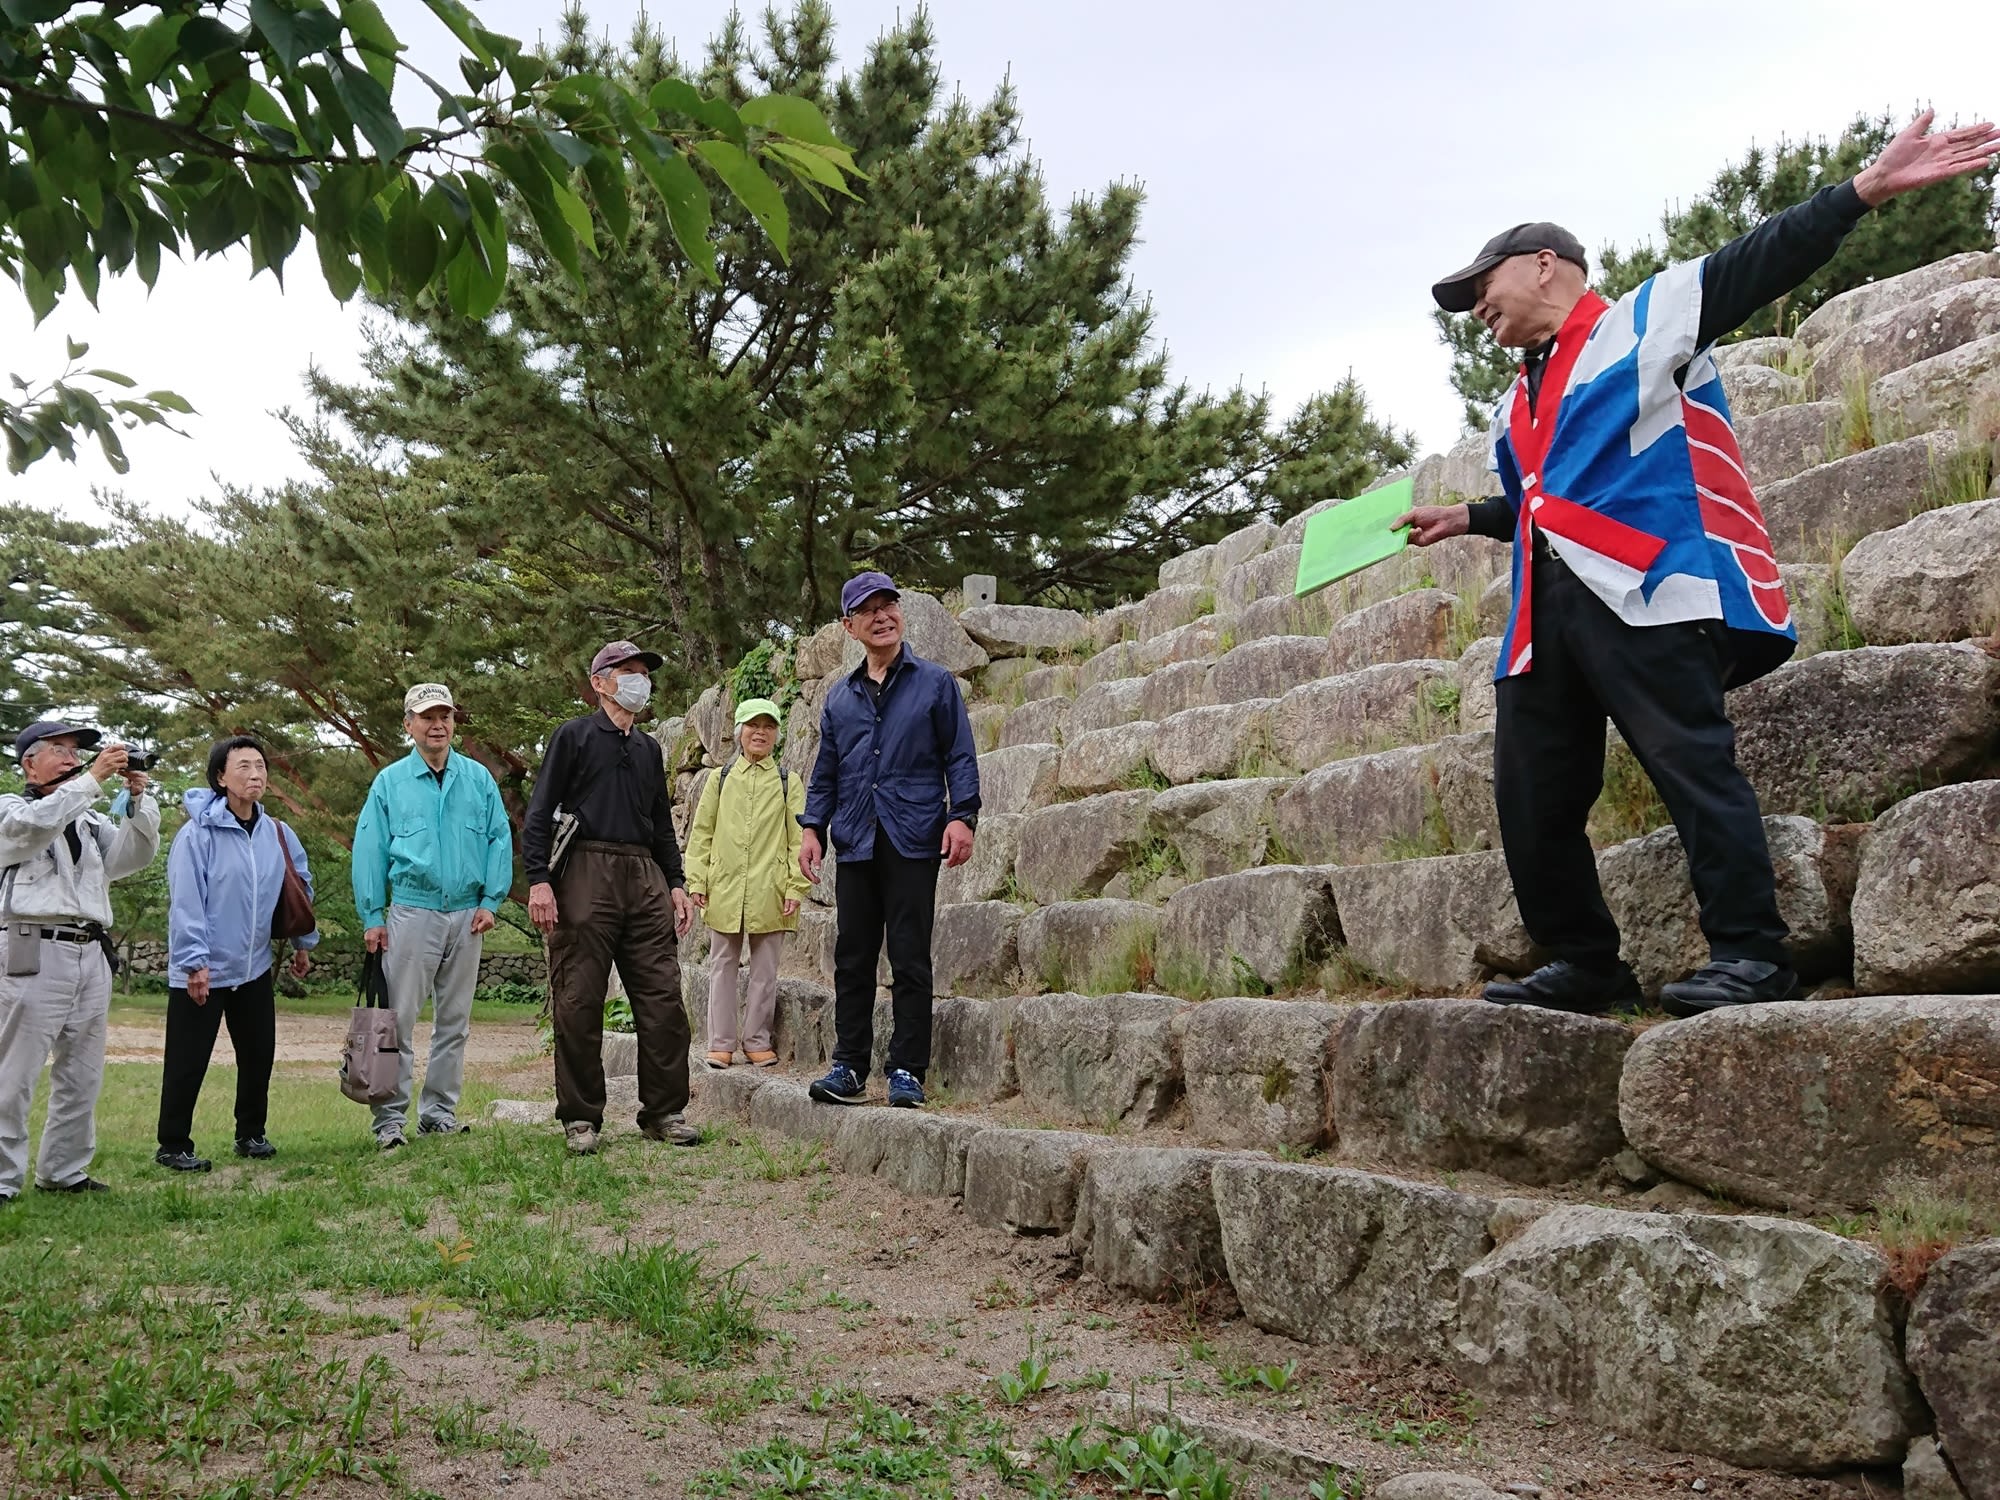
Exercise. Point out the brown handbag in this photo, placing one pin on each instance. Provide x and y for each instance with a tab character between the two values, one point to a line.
294	914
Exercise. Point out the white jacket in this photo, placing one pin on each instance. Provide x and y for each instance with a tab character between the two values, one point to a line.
51	887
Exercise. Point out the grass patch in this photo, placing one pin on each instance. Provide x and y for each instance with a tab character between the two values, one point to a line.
1143	778
175	1326
1959	478
1185	976
1629	806
1917	1224
1344	975
1856	427
1127	965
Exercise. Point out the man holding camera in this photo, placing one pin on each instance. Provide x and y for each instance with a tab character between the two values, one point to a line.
58	857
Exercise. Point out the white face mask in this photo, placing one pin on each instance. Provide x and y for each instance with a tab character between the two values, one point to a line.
632	692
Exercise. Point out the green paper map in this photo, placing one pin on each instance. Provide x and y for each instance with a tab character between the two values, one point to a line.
1353	535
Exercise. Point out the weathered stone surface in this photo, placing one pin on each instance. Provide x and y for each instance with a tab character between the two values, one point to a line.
1256	1071
1199	743
1924	1475
802	1029
1371	709
1410	627
672	736
1094	1059
932	633
1777	352
1754	389
1357	809
522	1111
1476	665
1018	778
1217	826
1243	544
1524	1093
1948	318
975	949
1788	440
782	1106
621	1054
1106	759
986	720
1269	668
1145	1220
1461	770
1495	601
919	1154
1646	886
1814	515
1284	614
985	876
1818	1106
1122	659
1057	681
1818	612
724	1094
1119	623
1105	705
972	1048
1462	472
1959	389
1026	1181
1837	314
1954	1348
1071	941
1018	629
1927	901
1273	924
822	651
709	718
1433	1484
1759	1341
1260	577
810	949
1847	733
1070	850
1334	1256
1001	677
1198	640
1042	722
1169	608
1441	924
1196	567
1934	578
1168	690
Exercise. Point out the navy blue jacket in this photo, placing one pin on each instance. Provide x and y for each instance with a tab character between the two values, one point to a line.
908	764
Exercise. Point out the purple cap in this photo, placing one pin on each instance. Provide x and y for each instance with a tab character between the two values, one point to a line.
613	654
50	729
858	589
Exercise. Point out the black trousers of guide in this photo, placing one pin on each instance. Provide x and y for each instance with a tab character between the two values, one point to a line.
1662	686
250	1010
886	895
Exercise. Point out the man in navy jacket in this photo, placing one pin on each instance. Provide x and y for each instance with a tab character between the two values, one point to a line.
896	789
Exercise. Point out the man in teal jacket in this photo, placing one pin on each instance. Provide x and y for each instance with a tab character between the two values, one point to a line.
433	832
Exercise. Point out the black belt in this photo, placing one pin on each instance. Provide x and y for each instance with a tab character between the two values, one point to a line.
73	934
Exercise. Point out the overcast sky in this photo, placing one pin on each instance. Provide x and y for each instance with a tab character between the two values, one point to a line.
1309	170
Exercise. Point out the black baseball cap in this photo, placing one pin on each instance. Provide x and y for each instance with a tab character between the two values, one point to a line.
1457	292
862	587
50	729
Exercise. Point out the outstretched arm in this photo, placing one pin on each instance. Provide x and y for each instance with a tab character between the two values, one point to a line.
1916	158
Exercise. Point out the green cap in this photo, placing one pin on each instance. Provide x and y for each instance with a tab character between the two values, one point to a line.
750	708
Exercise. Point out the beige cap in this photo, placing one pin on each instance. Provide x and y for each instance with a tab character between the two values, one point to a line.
427	695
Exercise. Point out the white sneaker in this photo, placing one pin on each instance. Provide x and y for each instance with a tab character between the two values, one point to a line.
582	1137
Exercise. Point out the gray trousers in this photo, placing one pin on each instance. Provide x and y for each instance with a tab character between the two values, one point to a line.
760	1000
57	1014
433	955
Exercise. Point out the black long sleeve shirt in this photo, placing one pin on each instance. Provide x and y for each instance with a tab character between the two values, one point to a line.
615	781
1749	271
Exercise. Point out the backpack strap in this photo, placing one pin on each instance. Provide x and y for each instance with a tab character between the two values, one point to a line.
721	776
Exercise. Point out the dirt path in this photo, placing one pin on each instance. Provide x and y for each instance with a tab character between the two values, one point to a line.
319	1039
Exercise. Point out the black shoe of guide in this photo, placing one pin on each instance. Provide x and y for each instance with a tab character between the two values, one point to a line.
1568	986
1728	982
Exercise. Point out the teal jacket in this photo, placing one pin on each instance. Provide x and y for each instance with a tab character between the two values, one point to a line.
439	848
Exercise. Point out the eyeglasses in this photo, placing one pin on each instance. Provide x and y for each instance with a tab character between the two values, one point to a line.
869	611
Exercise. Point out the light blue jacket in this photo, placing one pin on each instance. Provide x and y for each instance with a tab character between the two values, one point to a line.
439	848
222	891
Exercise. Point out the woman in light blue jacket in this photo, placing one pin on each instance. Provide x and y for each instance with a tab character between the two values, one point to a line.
224	875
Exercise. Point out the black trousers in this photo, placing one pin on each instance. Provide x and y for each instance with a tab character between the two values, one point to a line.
613	907
888	895
253	1031
1662	686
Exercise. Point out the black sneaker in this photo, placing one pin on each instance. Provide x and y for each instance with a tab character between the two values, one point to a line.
442	1127
182	1161
1728	982
1563	985
255	1146
87	1185
840	1086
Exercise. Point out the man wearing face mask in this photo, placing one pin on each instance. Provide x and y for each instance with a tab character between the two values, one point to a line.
616	895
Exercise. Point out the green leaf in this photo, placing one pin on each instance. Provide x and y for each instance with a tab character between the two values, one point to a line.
413	242
152	44
811	164
753	189
688	212
606	175
473	287
680	97
531	180
113	377
76	350
368	105
294	35
790	116
464	27
567	202
337	265
34	12
204	37
171	402
372	38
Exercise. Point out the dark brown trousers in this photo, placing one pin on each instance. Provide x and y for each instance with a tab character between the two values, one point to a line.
612	907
